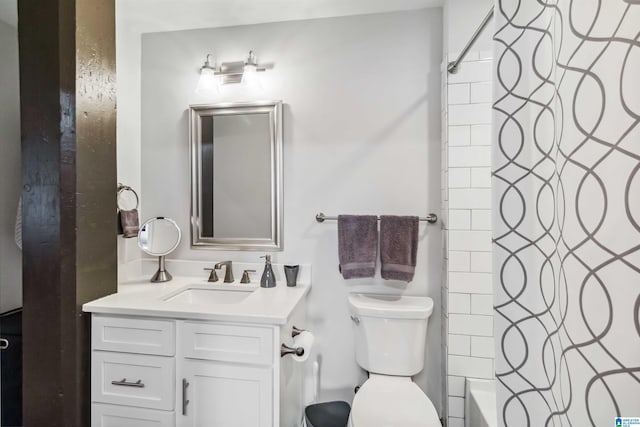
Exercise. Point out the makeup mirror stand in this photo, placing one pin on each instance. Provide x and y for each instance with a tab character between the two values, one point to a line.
162	275
159	237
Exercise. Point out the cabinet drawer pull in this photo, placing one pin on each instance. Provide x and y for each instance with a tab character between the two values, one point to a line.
185	401
124	382
4	344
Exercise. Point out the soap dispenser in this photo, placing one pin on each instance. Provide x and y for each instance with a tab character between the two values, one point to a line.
268	280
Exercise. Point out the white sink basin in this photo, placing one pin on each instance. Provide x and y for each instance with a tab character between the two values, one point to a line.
207	294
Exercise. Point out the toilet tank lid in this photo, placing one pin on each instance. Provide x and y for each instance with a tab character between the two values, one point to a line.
391	306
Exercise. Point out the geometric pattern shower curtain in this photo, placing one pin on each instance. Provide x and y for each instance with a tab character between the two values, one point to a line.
566	193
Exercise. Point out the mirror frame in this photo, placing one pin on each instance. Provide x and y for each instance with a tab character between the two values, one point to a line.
274	109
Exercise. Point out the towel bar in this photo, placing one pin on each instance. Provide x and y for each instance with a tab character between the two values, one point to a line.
431	218
121	188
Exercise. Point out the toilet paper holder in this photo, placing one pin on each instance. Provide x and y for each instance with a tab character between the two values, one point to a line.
297	351
285	349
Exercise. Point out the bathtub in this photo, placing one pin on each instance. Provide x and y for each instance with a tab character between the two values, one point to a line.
480	403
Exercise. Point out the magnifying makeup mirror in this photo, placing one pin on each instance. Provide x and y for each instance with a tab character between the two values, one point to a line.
159	237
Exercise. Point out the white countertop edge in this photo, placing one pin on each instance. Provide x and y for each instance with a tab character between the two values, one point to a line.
141	298
186	315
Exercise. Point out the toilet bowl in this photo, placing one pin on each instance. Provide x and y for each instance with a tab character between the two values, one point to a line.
390	334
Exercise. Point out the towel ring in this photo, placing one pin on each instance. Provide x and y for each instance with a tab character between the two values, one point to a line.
122	188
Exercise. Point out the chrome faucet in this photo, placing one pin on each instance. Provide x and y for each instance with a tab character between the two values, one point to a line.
228	271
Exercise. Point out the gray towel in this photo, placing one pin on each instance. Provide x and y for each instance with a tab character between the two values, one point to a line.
129	222
357	245
398	247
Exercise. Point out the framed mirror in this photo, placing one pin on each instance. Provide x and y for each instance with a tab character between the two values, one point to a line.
236	176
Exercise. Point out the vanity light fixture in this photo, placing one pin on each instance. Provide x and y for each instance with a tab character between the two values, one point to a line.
208	82
227	73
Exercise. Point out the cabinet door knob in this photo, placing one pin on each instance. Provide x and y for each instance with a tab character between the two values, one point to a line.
4	344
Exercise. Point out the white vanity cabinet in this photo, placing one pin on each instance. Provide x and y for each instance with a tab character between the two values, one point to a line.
192	373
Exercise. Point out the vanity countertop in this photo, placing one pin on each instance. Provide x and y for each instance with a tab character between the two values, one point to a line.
142	298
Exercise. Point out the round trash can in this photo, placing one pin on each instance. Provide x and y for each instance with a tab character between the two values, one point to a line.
327	414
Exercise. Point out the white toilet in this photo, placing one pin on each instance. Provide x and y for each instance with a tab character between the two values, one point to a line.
390	334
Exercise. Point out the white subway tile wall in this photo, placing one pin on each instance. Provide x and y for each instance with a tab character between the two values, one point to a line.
480	177
459	219
482	304
456	386
467	290
472	283
459	136
479	134
483	347
459	303
470	198
473	240
465	157
470	324
480	92
481	219
480	262
460	344
459	177
456	407
472	71
458	94
463	137
460	261
472	367
469	114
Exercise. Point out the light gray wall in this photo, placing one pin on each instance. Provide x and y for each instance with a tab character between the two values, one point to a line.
10	255
361	135
128	119
461	18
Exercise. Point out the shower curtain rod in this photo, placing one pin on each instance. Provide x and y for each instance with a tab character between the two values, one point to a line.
452	67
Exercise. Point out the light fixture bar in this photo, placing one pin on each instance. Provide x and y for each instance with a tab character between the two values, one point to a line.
229	72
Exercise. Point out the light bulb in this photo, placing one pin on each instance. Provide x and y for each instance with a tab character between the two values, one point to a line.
208	82
250	78
250	74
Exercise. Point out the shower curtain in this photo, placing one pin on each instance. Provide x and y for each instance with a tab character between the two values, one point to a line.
566	191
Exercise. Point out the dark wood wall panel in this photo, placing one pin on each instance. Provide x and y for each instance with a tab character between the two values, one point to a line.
40	123
67	89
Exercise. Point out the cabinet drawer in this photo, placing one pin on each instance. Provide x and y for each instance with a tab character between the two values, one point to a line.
133	379
124	416
227	343
133	335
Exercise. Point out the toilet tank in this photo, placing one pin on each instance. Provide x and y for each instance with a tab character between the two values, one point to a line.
390	332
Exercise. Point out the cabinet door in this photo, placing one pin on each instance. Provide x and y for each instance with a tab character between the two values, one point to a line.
225	395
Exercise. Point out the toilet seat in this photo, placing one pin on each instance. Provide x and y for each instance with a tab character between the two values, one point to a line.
387	401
